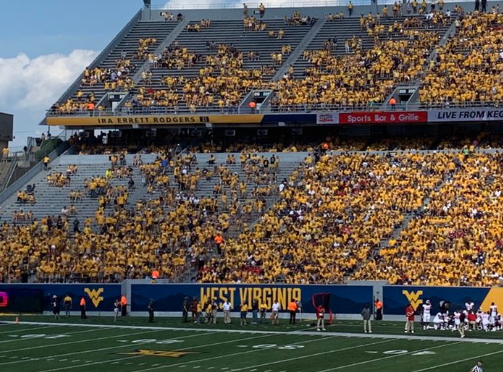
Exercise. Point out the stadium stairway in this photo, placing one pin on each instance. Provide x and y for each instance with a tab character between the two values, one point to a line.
231	32
346	29
129	45
50	199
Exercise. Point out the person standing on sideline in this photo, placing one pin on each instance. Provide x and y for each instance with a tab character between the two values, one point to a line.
462	324
244	312
83	308
255	306
276	307
185	310
56	309
227	307
366	313
378	307
409	316
263	312
320	315
214	311
478	367
193	309
68	304
123	305
151	311
292	308
116	309
245	10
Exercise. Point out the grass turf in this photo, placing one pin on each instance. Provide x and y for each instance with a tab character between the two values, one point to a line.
98	343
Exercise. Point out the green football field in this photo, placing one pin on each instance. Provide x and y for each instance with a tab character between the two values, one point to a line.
98	344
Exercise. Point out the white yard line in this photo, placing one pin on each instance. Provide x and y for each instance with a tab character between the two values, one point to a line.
230	355
299	332
474	359
48	335
73	342
388	357
92	350
187	348
26	329
310	355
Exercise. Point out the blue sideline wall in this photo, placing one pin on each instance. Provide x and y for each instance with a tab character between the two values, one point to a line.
346	301
99	297
168	298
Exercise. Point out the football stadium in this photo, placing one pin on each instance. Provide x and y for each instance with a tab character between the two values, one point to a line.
264	187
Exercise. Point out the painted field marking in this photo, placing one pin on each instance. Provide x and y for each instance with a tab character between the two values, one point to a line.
244	352
121	346
27	329
311	355
43	336
388	357
459	361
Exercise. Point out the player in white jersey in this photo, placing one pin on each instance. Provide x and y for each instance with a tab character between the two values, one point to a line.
426	314
485	321
457	321
469	305
493	310
438	321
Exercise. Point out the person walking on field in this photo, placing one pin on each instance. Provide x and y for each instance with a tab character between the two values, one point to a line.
83	308
292	308
409	315
320	315
366	313
478	367
116	309
151	311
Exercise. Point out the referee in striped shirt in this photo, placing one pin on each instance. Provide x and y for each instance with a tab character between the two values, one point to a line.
478	367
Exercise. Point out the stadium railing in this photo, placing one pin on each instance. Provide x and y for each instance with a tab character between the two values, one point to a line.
286	4
233	110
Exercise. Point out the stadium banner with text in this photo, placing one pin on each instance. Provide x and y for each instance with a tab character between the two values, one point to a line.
36	298
327	118
396	298
139	120
383	117
342	299
467	114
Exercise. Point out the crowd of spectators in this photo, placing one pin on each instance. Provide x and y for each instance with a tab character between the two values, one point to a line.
456	239
469	68
329	217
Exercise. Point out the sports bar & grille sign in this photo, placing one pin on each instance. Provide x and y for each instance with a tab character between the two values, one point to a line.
383	117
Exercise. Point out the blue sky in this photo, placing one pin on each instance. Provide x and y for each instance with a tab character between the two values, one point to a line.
45	44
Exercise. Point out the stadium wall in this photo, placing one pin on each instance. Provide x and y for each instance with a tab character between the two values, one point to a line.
346	301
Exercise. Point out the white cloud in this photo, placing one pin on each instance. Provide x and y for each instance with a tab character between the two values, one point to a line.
28	87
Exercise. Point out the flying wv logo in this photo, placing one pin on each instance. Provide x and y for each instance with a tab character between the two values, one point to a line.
413	298
95	295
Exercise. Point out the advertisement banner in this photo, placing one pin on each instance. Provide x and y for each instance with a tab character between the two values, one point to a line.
327	118
342	299
468	114
383	117
396	298
36	298
114	121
